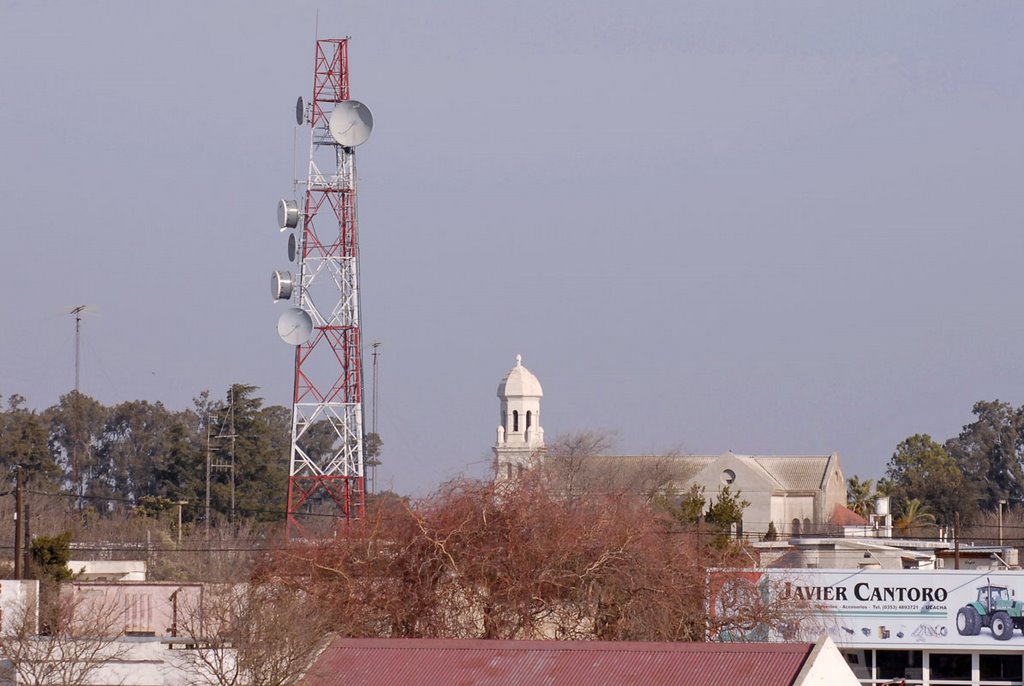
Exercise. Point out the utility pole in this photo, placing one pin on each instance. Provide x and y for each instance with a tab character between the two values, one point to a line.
221	466
373	419
27	546
208	467
17	522
956	541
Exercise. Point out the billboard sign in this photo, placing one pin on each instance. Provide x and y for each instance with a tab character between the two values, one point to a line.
871	608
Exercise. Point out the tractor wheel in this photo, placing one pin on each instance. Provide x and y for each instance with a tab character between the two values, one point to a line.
968	623
1002	626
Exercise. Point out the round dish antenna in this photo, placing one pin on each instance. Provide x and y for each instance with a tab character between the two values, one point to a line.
287	214
350	123
300	112
292	247
281	285
294	326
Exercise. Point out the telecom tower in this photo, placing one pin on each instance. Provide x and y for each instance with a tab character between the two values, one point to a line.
326	473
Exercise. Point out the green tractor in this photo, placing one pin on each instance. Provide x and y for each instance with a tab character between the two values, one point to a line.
995	609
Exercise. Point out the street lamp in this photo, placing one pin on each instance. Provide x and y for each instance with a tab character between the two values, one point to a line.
179	503
1002	501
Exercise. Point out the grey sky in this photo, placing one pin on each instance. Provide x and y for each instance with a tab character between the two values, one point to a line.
766	227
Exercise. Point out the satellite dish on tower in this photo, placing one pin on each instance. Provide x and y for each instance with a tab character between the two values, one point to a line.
300	112
281	285
287	214
351	123
292	247
294	326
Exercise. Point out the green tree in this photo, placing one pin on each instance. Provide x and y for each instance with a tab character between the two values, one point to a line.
686	508
179	472
913	518
24	441
136	438
727	509
76	425
922	469
860	495
50	556
990	450
256	441
372	445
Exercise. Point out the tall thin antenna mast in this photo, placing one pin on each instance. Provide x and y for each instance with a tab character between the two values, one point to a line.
376	354
76	405
77	311
324	324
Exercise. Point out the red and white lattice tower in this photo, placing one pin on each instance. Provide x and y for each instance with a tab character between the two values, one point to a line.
326	474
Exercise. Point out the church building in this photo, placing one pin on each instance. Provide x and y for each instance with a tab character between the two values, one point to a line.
800	494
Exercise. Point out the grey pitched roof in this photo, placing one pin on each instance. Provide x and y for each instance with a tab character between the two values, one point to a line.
673	467
788	472
795	472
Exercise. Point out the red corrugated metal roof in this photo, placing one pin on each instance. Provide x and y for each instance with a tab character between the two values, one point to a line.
392	662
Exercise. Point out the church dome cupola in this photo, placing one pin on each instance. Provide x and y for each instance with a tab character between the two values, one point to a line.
519	383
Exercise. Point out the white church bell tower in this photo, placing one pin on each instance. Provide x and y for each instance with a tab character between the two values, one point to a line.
520	436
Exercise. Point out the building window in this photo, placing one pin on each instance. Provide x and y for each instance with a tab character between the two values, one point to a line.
795	527
529	417
515	421
898	664
953	666
728	476
1000	667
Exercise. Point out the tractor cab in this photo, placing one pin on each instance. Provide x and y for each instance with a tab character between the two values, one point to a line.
993	597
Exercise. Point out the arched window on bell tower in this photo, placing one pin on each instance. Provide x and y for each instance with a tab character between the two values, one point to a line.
515	421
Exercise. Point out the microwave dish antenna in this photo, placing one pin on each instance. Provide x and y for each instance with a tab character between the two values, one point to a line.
294	326
287	214
281	285
351	123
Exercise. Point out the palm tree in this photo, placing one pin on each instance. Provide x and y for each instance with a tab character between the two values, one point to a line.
914	515
860	495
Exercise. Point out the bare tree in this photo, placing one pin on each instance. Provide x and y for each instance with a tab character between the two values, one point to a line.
513	561
78	636
578	465
749	605
261	634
